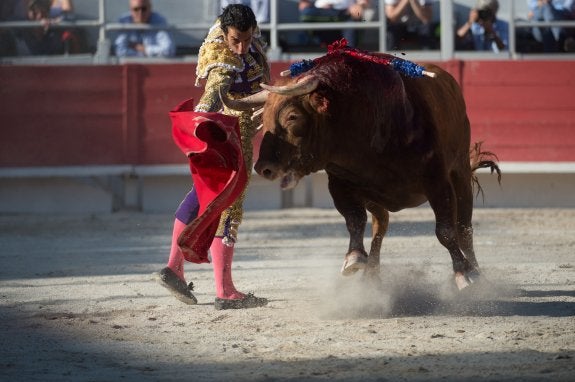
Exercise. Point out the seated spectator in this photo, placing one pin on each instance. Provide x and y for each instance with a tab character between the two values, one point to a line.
46	39
75	38
62	10
483	31
261	9
144	42
550	10
407	19
332	11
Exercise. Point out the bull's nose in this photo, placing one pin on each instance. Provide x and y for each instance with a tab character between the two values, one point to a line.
267	173
265	169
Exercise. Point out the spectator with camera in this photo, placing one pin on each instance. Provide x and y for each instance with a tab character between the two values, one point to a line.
483	31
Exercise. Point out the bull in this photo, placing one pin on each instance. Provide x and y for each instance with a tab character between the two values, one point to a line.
387	141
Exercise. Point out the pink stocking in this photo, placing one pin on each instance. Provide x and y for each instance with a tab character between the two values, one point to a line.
176	260
222	256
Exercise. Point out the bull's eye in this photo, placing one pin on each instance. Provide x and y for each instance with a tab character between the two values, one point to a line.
293	120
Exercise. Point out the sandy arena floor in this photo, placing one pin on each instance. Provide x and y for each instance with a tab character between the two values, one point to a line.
79	302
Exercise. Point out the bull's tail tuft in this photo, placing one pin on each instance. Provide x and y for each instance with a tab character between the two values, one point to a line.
482	159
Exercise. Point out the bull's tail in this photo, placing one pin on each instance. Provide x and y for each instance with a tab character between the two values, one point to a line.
482	159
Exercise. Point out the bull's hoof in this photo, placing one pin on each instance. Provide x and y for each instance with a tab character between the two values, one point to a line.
353	262
464	280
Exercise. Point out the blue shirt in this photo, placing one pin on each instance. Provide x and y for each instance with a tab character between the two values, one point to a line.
560	5
481	42
157	43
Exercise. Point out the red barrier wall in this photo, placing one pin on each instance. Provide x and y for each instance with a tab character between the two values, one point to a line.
524	111
61	115
99	115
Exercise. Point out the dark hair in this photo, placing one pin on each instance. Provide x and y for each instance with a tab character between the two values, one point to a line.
237	16
39	5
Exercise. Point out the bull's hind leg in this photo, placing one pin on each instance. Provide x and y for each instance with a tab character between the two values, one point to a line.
355	215
464	191
443	201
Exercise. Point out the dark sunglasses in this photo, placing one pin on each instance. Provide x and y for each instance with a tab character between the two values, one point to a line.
140	9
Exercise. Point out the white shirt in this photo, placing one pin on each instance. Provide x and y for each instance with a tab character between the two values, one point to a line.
335	4
421	2
261	8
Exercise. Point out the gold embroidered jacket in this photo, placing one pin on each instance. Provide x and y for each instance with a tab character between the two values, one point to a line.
241	75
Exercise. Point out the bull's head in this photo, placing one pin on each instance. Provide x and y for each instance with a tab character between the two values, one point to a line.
292	111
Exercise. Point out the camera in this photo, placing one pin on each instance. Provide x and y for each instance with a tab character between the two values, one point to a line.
485	14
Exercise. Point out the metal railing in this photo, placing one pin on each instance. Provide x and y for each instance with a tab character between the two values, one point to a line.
445	52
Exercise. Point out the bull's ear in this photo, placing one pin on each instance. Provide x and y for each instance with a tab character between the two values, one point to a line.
319	103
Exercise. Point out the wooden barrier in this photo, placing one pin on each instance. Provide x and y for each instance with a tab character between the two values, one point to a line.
523	111
116	115
100	136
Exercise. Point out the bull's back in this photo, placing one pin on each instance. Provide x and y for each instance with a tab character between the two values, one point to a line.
439	102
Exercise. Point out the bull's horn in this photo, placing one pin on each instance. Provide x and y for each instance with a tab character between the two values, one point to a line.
246	103
305	86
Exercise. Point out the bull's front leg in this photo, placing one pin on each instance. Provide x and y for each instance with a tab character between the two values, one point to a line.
351	207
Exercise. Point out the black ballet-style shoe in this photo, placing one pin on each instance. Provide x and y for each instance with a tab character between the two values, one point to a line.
250	301
169	280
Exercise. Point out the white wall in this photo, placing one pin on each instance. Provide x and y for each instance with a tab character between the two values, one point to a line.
527	185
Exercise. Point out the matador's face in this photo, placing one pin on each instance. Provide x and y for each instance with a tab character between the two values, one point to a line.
239	42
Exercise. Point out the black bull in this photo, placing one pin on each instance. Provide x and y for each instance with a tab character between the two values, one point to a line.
386	141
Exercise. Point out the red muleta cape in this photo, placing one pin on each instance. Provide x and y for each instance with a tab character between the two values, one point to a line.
212	143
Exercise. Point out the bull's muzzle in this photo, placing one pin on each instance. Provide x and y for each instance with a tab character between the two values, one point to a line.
266	169
271	171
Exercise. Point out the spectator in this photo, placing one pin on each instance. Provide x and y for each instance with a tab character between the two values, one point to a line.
550	10
483	31
144	42
62	10
75	40
261	8
406	18
332	11
43	40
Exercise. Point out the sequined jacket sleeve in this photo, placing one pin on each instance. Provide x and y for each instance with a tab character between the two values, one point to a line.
219	67
210	100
